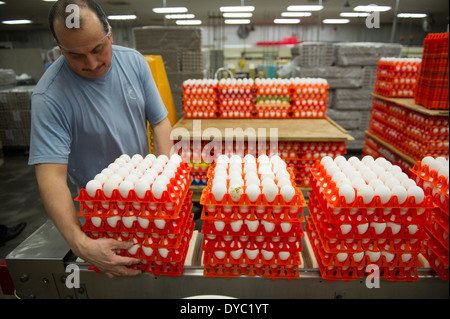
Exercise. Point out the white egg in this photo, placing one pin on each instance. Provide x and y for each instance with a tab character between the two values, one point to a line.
222	159
384	193
326	160
362	228
152	172
357	257
373	255
219	225
151	157
158	188
282	174
236	225
109	187
392	182
92	186
128	221
378	227
286	227
345	228
219	190
141	187
270	191
417	193
283	181
235	168
250	167
125	157
107	171
219	179
443	171
125	187
288	192
408	183
120	161
249	158
162	178
406	257
268	255
427	160
137	172
159	223
176	158
235	159
358	182
113	218
252	225
341	257
263	159
168	172
348	192
367	159
388	256
251	253
339	159
253	191
157	167
401	193
367	193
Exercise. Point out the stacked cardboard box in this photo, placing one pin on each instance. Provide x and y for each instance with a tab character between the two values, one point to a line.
181	51
15	116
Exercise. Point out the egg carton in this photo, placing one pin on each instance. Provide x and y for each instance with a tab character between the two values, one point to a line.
251	228
308	112
159	267
200	112
324	185
365	258
439	234
355	245
431	176
236	111
272	112
368	230
228	243
144	222
438	250
436	263
275	214
348	273
168	206
234	270
146	250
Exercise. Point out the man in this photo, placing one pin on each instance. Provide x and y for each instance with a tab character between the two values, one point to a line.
88	108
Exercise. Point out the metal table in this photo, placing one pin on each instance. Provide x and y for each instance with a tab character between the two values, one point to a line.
38	270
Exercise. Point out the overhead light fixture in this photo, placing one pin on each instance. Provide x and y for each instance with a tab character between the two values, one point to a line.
180	16
372	8
2	2
20	21
170	10
188	22
293	14
122	17
286	21
335	21
237	9
305	8
237	14
354	14
411	15
237	21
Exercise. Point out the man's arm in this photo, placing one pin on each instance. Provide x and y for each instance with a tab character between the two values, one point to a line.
58	202
161	137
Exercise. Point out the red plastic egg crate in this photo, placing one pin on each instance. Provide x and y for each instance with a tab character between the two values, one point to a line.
160	228
432	87
437	246
347	237
269	247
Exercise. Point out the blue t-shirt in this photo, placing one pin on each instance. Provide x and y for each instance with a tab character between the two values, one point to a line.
87	123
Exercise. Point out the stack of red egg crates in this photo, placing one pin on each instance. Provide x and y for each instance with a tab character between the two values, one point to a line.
235	98
366	217
309	97
157	219
432	175
414	133
251	228
432	87
200	98
397	77
272	98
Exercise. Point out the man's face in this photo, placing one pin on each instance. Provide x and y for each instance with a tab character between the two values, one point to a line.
88	50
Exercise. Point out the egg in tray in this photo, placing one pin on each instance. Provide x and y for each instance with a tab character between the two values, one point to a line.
366	213
145	200
252	214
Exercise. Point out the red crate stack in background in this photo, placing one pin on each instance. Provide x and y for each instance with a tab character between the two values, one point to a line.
397	77
432	175
200	98
432	87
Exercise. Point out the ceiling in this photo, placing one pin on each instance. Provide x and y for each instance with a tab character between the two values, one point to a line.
208	11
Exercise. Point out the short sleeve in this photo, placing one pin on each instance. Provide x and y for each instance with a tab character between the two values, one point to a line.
50	132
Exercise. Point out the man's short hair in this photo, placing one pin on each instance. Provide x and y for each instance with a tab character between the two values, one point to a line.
58	10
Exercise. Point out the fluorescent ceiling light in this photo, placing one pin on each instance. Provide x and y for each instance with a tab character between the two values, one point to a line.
170	10
335	21
372	8
188	22
2	2
21	21
411	15
293	14
286	21
237	9
180	16
237	14
237	21
122	17
354	14
305	8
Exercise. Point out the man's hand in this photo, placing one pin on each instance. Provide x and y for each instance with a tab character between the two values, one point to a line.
101	253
